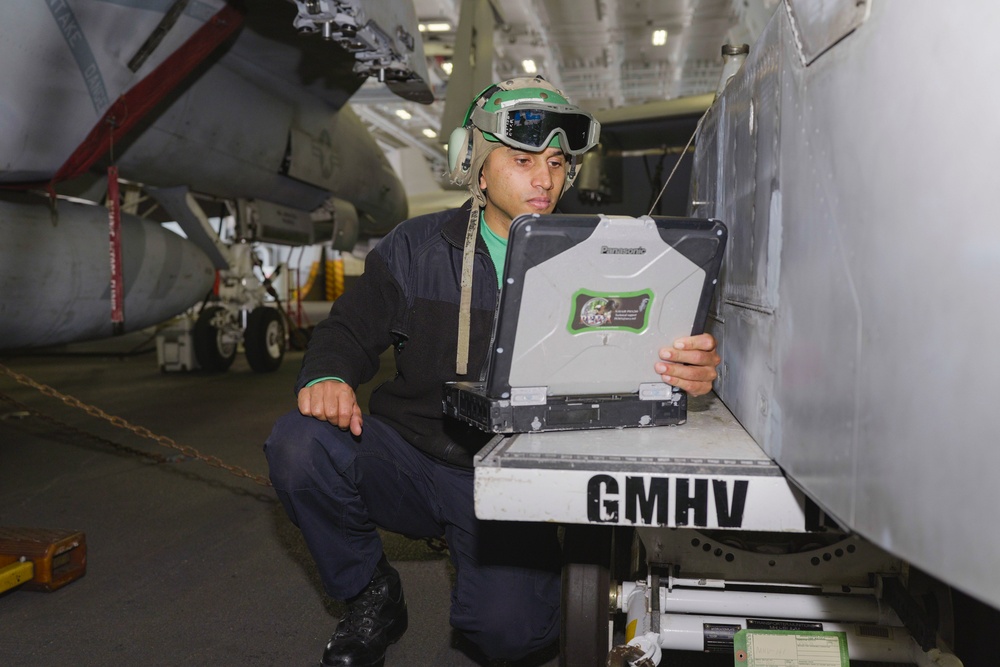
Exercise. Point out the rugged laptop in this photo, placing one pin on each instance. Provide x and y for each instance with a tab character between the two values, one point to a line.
587	303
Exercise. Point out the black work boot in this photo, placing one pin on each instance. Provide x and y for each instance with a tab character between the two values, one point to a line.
375	618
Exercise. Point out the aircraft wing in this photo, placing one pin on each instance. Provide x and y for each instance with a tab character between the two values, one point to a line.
229	101
88	73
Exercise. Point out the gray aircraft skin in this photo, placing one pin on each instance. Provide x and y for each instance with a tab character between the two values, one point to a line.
853	315
234	104
163	272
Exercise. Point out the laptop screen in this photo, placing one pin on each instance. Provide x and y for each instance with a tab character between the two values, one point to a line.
588	301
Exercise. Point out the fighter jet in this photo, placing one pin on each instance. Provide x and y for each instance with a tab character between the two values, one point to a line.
186	106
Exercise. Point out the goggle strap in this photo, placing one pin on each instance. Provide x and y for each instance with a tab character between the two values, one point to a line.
483	97
484	120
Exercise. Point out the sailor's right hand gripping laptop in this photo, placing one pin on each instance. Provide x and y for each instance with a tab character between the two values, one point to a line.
587	303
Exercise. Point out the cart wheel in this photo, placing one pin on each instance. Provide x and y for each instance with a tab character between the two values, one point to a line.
264	340
586	615
213	352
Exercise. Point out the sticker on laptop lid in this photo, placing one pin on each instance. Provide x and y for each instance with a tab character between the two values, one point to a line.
620	311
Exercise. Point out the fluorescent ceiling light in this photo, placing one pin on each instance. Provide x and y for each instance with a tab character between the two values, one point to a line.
404	114
529	66
659	37
434	27
429	133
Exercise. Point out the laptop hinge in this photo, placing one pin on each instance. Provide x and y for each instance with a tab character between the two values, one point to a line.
528	395
658	391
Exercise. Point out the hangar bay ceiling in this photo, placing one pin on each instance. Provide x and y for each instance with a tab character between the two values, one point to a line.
605	54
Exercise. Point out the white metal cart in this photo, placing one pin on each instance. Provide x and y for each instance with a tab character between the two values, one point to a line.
680	536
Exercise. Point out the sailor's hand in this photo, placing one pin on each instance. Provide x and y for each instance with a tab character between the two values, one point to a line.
332	401
690	364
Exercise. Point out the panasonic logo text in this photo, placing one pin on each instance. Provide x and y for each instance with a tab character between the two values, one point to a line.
608	250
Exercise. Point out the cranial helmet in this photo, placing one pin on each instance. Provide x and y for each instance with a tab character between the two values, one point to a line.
526	113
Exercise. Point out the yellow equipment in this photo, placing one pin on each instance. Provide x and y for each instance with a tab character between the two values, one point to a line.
41	559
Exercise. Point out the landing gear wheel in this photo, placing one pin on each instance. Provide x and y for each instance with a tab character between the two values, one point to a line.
264	340
586	616
214	353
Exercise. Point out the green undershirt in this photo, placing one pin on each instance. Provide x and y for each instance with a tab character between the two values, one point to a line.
496	245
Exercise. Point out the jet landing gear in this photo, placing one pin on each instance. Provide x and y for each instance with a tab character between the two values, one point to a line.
238	311
216	336
218	332
264	340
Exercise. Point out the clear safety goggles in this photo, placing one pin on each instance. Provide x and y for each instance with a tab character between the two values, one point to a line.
532	124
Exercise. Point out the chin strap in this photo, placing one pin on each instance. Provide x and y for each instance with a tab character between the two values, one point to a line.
465	303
